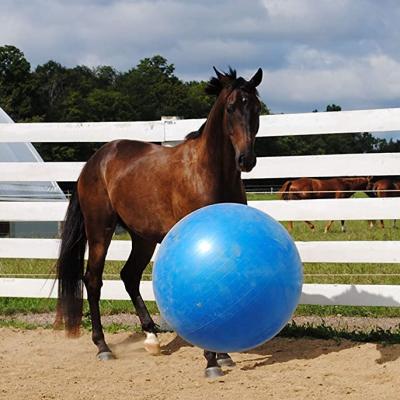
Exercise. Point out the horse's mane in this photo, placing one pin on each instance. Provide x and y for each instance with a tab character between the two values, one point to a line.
195	134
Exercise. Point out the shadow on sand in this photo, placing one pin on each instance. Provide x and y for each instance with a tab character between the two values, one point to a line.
283	349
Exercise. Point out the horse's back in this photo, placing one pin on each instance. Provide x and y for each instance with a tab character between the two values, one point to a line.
114	158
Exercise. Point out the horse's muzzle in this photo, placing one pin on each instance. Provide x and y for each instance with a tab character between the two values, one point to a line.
247	162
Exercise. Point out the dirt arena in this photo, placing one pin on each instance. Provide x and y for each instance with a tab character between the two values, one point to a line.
43	364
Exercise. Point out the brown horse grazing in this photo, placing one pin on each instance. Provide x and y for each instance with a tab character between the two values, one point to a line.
311	188
385	187
147	188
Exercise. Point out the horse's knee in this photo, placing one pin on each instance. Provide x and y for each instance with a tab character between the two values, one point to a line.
93	282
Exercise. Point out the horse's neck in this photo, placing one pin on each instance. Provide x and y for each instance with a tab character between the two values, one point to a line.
215	146
215	156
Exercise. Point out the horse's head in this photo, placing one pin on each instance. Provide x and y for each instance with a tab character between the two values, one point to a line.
241	113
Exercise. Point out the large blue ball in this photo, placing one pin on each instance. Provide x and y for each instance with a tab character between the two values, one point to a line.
227	277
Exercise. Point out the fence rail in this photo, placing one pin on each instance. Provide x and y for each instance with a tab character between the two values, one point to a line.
355	295
310	252
384	120
380	120
282	210
374	164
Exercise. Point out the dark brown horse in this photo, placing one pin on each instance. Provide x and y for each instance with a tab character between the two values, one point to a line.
147	188
311	188
385	187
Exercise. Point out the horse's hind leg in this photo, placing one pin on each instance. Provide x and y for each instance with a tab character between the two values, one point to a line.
99	233
131	275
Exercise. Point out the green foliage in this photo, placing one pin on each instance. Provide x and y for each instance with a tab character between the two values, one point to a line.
322	331
10	306
15	83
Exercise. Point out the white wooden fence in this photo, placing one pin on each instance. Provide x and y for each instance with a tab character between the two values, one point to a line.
384	120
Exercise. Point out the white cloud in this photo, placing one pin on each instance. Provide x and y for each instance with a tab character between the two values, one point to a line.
313	52
358	83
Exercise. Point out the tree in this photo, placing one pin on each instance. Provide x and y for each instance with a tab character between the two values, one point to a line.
15	83
152	88
333	107
109	105
198	102
106	76
49	82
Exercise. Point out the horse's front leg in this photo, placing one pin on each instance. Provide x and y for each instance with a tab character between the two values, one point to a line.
328	226
131	275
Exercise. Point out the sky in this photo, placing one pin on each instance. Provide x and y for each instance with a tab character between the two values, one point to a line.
312	52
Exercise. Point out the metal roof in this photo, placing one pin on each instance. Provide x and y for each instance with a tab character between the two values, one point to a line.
24	152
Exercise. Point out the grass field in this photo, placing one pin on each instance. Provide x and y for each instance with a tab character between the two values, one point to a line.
314	272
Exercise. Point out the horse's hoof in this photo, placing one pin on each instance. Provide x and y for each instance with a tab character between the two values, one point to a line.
226	362
152	348
105	356
213	372
152	344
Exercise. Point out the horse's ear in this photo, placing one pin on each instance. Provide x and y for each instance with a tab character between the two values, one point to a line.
220	75
256	79
223	78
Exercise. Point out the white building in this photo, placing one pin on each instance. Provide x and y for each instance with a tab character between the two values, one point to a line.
25	191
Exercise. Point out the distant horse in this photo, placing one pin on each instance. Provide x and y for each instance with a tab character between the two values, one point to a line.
311	188
385	187
147	188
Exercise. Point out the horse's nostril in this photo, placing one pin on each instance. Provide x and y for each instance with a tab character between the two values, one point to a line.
241	159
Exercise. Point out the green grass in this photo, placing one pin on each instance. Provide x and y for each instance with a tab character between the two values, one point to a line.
38	268
11	306
323	331
12	323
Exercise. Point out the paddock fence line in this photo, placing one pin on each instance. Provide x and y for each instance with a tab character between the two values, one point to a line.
171	133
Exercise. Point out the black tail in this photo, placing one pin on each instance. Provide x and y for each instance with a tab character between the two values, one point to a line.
70	266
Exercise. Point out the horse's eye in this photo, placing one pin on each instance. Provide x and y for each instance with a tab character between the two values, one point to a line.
244	100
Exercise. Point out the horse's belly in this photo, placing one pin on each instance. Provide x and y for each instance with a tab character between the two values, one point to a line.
152	218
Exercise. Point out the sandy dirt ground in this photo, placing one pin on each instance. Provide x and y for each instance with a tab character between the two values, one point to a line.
43	364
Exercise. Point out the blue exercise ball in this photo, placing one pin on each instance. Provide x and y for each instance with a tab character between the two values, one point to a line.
227	277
